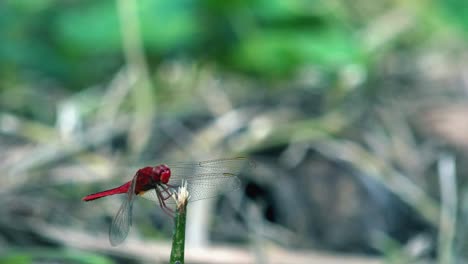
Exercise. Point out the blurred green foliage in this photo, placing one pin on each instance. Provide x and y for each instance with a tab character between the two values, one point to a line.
46	255
78	43
457	12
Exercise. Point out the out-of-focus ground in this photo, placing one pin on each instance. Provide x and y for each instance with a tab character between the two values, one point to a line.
355	114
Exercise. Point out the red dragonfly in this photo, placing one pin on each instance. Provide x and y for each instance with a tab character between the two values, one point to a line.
205	179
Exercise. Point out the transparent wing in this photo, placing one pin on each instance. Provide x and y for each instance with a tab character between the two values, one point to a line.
122	221
206	179
204	186
189	169
209	185
150	195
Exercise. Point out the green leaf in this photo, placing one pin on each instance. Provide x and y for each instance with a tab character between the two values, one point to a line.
89	28
45	255
457	11
278	51
95	28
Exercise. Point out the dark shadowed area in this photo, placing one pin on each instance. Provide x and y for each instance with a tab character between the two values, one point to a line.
354	115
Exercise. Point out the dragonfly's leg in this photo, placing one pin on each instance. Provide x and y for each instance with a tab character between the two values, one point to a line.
163	199
167	208
163	205
170	185
164	208
165	190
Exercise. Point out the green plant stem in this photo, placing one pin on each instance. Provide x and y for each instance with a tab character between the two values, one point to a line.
178	239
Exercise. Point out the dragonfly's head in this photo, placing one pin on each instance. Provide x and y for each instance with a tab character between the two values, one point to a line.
163	173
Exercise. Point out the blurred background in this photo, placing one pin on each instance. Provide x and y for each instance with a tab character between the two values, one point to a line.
355	114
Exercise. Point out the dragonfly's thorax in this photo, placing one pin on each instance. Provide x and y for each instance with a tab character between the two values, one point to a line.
149	177
145	179
162	172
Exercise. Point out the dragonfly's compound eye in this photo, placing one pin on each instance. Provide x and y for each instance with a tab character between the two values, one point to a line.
163	173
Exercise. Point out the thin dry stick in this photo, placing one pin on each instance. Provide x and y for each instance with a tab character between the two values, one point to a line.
138	69
448	211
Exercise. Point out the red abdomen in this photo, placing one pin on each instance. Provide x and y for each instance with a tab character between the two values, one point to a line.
121	189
